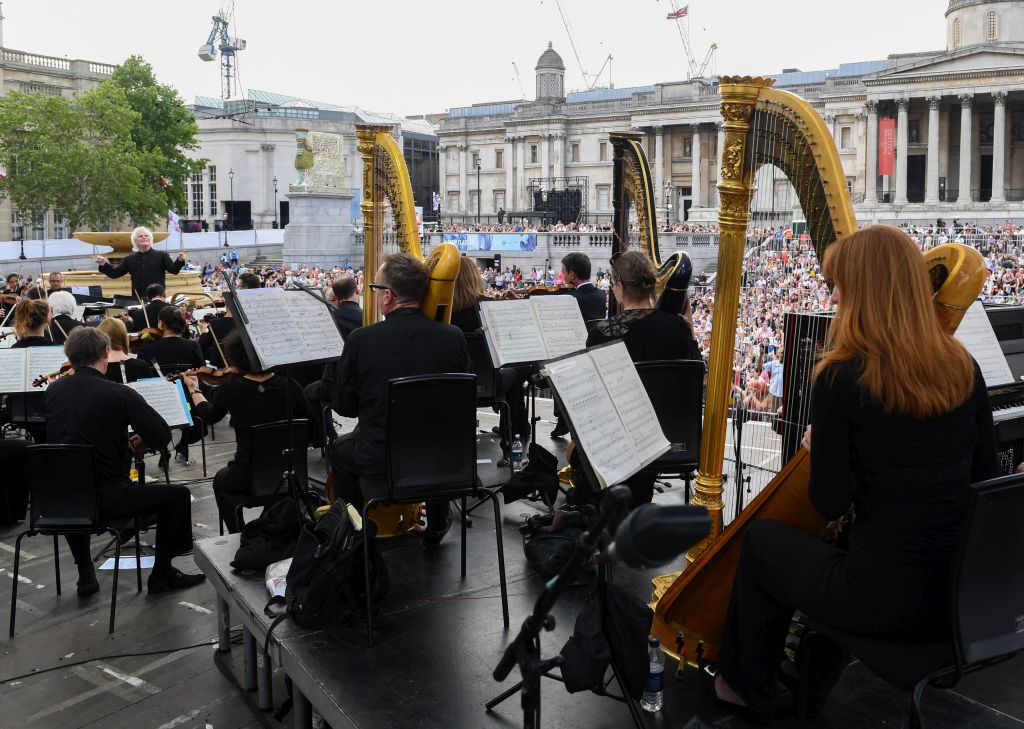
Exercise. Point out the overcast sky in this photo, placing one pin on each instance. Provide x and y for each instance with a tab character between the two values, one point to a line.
420	57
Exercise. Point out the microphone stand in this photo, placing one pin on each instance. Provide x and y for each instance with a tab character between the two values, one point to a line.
737	424
525	650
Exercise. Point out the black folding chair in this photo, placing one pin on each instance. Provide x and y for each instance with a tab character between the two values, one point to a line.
987	602
270	462
676	389
65	501
435	462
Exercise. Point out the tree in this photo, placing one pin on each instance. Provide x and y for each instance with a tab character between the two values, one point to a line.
163	131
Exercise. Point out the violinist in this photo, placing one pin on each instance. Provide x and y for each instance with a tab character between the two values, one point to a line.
62	304
85	408
221	326
12	285
901	425
31	320
123	367
254	399
148	315
170	351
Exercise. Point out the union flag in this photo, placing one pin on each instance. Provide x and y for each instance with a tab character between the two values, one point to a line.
681	13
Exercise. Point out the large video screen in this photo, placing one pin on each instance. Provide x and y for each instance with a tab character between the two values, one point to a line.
492	241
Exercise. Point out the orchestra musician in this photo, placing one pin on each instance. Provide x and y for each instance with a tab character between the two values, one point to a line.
62	304
900	427
221	326
145	265
86	408
31	325
253	399
405	344
56	280
123	367
348	315
149	314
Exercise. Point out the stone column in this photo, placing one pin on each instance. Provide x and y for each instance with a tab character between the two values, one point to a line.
463	189
696	184
999	148
830	122
901	151
659	168
931	183
558	142
545	157
521	176
966	148
871	159
442	171
510	194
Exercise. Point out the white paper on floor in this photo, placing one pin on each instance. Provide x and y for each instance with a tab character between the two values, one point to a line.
128	563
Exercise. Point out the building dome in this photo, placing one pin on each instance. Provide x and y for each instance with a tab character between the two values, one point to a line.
550	76
974	22
550	59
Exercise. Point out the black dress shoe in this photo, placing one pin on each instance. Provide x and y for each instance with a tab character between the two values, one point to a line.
88	587
174	579
434	532
560	430
745	713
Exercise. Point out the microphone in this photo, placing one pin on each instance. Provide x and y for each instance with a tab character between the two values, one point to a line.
652	536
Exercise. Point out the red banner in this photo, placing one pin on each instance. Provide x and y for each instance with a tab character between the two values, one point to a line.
886	146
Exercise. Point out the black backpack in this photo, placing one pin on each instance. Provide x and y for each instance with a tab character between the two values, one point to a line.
269	538
325	584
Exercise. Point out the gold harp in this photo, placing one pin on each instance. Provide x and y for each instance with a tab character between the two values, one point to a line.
632	190
766	126
386	182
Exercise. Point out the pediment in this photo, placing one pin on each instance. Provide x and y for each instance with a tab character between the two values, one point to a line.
966	61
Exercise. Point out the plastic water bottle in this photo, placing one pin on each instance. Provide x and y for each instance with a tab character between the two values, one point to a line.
517	454
654	688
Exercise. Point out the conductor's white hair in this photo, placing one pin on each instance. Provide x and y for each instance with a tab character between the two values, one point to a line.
62	302
135	234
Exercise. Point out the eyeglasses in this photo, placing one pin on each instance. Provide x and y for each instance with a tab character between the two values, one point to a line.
378	287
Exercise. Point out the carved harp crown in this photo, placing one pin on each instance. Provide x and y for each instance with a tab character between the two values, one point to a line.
386	181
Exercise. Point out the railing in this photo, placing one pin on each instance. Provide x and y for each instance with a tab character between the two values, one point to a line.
103	69
33	59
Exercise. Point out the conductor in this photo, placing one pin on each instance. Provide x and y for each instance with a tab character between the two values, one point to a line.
145	265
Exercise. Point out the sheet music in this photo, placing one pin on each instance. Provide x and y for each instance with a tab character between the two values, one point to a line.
315	325
12	370
42	361
167	398
976	334
561	323
79	313
512	331
596	423
630	399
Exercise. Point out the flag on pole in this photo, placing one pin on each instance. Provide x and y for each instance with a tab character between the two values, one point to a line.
173	221
436	201
681	13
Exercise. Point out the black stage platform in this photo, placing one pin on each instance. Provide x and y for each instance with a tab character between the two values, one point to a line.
439	639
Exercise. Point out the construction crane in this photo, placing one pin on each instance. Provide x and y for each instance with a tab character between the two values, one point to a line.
590	84
519	81
220	39
694	69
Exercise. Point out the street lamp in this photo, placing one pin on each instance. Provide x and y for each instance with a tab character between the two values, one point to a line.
668	204
224	227
478	193
231	183
275	201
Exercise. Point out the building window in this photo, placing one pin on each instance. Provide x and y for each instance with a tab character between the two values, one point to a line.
476	160
687	147
452	204
533	154
956	33
197	195
574	152
499	200
846	138
991	27
603	154
39	226
849	183
914	131
473	194
499	159
604	193
212	172
60	229
17	226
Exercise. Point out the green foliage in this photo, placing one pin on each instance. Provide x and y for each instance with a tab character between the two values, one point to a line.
114	152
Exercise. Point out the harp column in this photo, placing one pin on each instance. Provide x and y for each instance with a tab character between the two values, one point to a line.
901	151
931	193
999	148
966	147
871	160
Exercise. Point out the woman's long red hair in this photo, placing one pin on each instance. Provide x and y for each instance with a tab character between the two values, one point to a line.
886	321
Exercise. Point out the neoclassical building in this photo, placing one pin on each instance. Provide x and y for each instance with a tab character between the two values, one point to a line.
958	112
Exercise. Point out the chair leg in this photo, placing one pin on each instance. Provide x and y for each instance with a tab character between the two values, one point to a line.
463	522
238	516
117	570
138	556
14	587
56	561
916	719
501	558
202	445
366	573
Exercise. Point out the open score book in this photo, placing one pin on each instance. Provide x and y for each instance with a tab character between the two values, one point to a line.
531	330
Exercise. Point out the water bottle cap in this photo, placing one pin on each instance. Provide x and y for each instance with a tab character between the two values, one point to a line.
653	642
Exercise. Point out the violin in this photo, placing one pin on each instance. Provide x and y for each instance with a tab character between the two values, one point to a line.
65	369
135	341
209	375
9	298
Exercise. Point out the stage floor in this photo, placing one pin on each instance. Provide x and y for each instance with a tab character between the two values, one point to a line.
431	667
